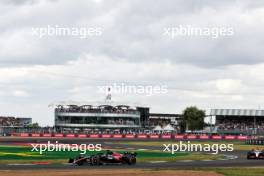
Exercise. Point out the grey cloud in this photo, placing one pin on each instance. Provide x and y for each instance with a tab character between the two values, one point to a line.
22	2
132	30
19	2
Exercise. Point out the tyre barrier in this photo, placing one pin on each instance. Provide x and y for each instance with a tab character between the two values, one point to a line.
255	141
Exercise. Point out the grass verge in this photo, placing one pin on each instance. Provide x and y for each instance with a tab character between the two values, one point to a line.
238	145
18	154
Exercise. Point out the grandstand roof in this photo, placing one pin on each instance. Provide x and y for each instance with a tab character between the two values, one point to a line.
236	112
97	104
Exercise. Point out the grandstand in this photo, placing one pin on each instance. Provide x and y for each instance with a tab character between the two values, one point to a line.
8	124
86	117
239	121
108	118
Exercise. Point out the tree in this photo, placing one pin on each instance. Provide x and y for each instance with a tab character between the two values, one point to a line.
182	125
193	118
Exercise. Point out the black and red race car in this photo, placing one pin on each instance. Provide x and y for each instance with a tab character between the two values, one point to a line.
255	154
108	157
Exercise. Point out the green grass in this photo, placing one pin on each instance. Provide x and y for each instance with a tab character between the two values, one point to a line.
18	154
238	145
192	156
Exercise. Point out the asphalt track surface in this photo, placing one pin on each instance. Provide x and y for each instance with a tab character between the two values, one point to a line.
239	161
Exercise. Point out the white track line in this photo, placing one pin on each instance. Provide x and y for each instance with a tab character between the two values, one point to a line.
17	164
185	161
158	162
207	160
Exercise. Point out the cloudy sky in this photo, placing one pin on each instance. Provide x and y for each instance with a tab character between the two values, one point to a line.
132	48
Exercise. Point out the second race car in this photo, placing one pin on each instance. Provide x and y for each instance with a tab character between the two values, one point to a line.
255	154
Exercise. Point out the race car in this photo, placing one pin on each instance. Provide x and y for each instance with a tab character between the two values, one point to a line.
108	157
255	154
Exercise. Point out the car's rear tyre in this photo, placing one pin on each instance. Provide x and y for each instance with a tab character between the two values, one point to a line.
71	160
80	163
95	161
261	156
131	161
